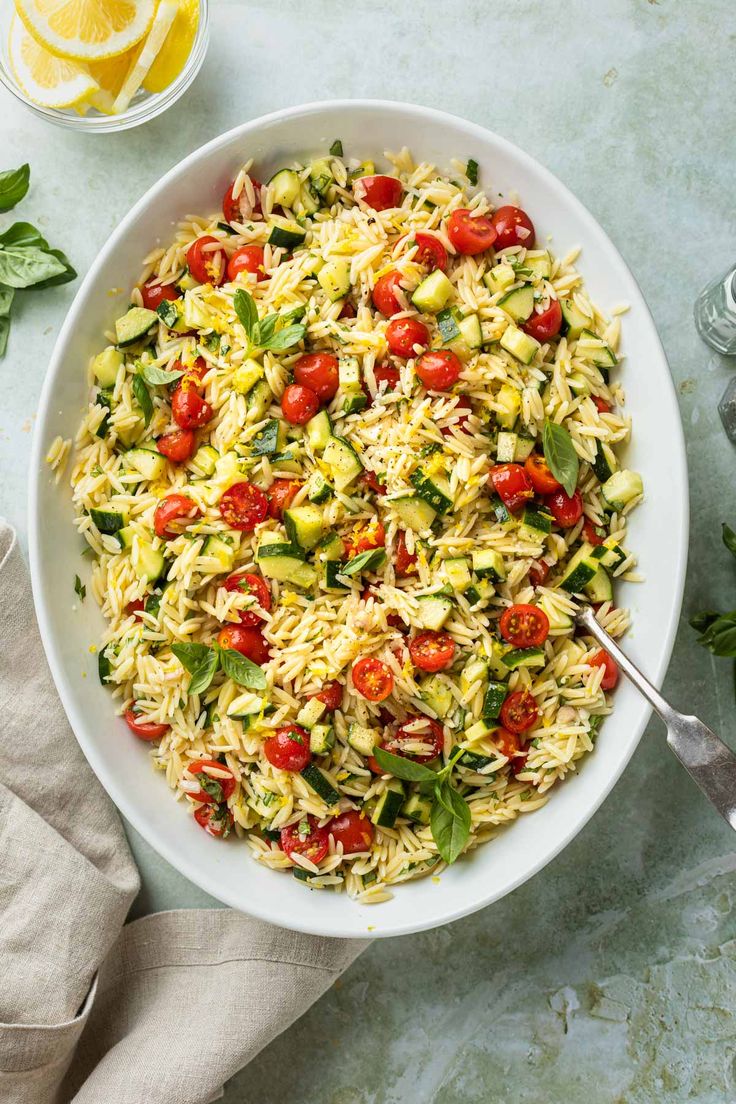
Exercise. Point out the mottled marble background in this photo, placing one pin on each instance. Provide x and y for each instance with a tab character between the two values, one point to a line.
611	976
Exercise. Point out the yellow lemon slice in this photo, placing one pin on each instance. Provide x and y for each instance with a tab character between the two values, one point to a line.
87	30
47	80
176	49
111	72
165	15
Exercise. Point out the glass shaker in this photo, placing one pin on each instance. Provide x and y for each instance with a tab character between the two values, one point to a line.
715	313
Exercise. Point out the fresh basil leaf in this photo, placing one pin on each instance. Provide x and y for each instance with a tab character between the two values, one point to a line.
79	588
336	148
28	266
22	235
13	186
400	767
210	786
286	338
247	311
200	661
720	635
7	294
471	171
703	620
242	671
158	377
4	333
143	398
729	538
560	454
294	315
104	667
449	821
370	560
265	329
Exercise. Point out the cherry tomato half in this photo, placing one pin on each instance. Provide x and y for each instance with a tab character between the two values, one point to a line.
288	748
177	446
545	325
379	192
590	533
601	405
347	311
432	651
189	410
365	535
353	830
470	234
418	729
524	626
512	484
207	265
405	562
372	481
217	820
513	227
610	675
372	679
154	293
299	404
238	210
136	607
386	373
330	695
463	408
247	640
519	712
144	730
538	572
403	334
256	585
175	507
318	372
383	294
249	258
281	494
566	511
537	468
243	506
439	369
430	253
310	841
210	771
508	743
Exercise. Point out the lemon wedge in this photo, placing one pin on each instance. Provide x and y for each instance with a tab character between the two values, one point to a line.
176	49
165	15
87	30
111	72
47	80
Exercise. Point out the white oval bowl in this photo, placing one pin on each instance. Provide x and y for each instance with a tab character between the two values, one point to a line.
658	530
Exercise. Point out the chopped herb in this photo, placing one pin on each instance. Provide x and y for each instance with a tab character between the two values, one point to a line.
210	786
472	171
336	148
79	588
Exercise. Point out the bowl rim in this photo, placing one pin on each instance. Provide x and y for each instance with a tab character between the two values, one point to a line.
202	877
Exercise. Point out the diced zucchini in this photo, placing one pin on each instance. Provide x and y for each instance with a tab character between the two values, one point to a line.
509	398
389	804
362	738
286	234
353	402
437	695
321	784
105	366
333	579
148	462
222	550
321	739
334	278
506	447
501	510
320	176
539	263
447	324
518	304
171	313
521	345
415	513
433	293
349	373
536	524
342	460
365	168
304	525
621	488
417	807
258	402
471	760
494	698
600	587
318	489
247	375
433	489
134	325
605	463
457	573
204	461
308	200
480	593
495	660
319	431
474	671
524	448
330	548
478	731
488	564
524	657
469	338
595	349
500	277
148	562
107	520
558	619
310	713
434	609
609	554
573	319
285	563
125	536
271	439
580	569
285	187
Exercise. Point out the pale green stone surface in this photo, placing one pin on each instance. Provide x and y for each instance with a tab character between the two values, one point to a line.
610	976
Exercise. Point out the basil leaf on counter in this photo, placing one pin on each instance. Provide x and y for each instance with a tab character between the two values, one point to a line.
729	538
13	186
242	670
560	454
26	266
200	661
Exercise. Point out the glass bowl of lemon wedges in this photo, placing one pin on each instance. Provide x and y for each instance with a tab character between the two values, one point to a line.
101	65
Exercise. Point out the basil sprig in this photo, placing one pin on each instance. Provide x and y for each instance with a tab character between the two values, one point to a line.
143	397
449	817
370	560
14	184
159	377
262	333
718	630
203	662
561	457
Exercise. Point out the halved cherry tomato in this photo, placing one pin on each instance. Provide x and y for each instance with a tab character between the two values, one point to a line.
281	494
256	585
538	572
207	265
430	253
247	640
194	373
136	607
189	410
403	334
372	679
318	372
610	676
405	562
308	840
288	748
365	535
177	446
347	311
144	730
463	408
386	373
237	210
154	293
243	506
590	534
418	729
432	651
524	626
217	820
371	480
519	712
397	622
601	405
512	484
513	227
173	508
330	695
353	830
200	770
379	192
508	743
249	258
383	294
566	511
470	234
299	404
537	468
545	325
439	369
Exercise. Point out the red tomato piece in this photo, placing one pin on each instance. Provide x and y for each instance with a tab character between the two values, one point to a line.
566	511
379	192
590	534
247	640
238	210
430	253
308	840
136	607
177	446
175	507
432	651
249	258
469	233
318	372
463	408
537	468
545	325
418	729
347	311
194	373
372	679
371	480
384	294
189	409
281	494
397	622
217	820
508	743
243	506
386	373
610	675
512	484
365	535
256	585
210	771
538	572
154	293
207	265
439	369
330	695
513	227
353	830
299	404
601	405
403	334
144	730
524	626
405	562
519	712
288	748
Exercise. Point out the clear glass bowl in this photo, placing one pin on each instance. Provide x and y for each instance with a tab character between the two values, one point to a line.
144	106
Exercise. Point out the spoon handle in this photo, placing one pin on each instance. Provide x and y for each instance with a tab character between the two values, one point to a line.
710	762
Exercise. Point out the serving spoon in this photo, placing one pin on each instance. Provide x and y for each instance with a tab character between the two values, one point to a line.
709	762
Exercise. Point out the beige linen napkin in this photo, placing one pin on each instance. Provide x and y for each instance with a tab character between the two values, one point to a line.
162	1010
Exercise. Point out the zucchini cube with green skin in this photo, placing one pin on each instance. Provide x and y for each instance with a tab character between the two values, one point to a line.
594	348
317	780
320	176
605	463
318	489
433	489
600	587
433	611
573	319
285	187
488	564
524	657
436	694
333	577
622	488
107	520
499	278
417	807
285	234
539	263
304	525
609	554
247	375
147	462
311	713
285	563
148	562
204	461
134	325
334	278
106	365
319	431
580	569
521	345
342	460
258	402
469	338
496	664
222	550
362	738
321	739
415	513
536	524
271	439
518	304
457	573
433	293
494	698
171	313
471	760
473	673
509	399
389	804
330	548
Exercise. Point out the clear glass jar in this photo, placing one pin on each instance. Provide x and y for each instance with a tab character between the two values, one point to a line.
144	106
715	313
